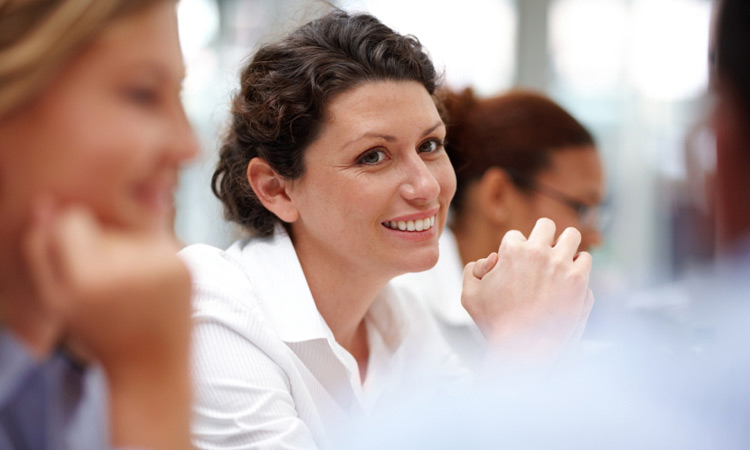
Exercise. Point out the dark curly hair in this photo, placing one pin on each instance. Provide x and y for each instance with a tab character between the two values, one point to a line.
516	130
286	88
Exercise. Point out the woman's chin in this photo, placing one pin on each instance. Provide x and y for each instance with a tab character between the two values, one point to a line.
420	264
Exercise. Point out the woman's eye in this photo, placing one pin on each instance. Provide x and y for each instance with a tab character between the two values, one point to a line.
372	157
142	96
431	146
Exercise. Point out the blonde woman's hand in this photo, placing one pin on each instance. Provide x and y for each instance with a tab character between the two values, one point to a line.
124	298
535	298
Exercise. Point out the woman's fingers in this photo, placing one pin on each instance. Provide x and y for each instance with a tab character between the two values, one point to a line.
50	309
483	266
568	242
470	283
511	238
583	261
543	232
538	298
41	256
76	233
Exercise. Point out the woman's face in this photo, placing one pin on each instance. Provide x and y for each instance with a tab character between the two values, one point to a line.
109	132
577	174
378	167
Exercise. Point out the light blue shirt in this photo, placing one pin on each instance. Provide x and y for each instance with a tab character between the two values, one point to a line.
50	404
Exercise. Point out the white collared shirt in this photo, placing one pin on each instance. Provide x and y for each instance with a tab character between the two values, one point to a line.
267	369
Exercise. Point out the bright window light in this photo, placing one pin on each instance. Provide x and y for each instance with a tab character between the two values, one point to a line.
198	24
474	41
669	53
587	41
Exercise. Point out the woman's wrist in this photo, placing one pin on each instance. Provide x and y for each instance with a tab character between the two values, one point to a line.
150	404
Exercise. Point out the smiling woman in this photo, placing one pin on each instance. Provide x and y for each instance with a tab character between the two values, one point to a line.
519	156
92	133
335	161
393	168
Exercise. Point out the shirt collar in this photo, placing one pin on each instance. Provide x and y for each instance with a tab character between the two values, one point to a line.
388	318
283	293
287	302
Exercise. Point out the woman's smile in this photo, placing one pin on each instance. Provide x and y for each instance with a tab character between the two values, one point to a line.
411	225
419	226
155	194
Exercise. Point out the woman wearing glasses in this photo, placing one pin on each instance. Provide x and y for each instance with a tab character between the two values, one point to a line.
518	157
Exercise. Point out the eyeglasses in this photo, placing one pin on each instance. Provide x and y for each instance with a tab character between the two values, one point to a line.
589	216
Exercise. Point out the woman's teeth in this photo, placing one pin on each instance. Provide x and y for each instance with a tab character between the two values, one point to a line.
411	225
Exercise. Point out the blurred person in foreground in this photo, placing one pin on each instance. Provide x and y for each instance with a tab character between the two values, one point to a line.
731	118
692	394
518	156
94	303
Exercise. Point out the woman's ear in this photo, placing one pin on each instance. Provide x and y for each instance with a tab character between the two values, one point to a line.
271	189
496	195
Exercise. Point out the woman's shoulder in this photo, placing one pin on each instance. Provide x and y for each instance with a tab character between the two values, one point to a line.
251	272
220	279
208	264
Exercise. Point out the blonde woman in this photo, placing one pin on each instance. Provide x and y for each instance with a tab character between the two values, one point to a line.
92	133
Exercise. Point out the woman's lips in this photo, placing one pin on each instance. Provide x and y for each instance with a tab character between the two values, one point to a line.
156	195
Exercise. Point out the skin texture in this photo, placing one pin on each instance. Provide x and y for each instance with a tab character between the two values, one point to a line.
409	175
378	158
114	118
495	205
87	169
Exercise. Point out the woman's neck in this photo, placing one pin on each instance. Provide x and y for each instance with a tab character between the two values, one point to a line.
343	293
342	297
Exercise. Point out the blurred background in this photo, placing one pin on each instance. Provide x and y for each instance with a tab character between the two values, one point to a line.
634	72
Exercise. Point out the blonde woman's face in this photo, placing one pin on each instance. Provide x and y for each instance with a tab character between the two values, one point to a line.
109	132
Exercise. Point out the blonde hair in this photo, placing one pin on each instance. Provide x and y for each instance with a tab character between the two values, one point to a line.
38	36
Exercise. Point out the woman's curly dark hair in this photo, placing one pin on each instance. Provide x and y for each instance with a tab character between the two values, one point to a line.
286	88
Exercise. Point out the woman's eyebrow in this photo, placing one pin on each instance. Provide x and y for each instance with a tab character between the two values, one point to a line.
433	128
389	138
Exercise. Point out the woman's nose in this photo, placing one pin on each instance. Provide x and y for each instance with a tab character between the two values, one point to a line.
183	143
419	182
590	238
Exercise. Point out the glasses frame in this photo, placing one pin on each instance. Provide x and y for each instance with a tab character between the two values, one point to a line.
588	215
